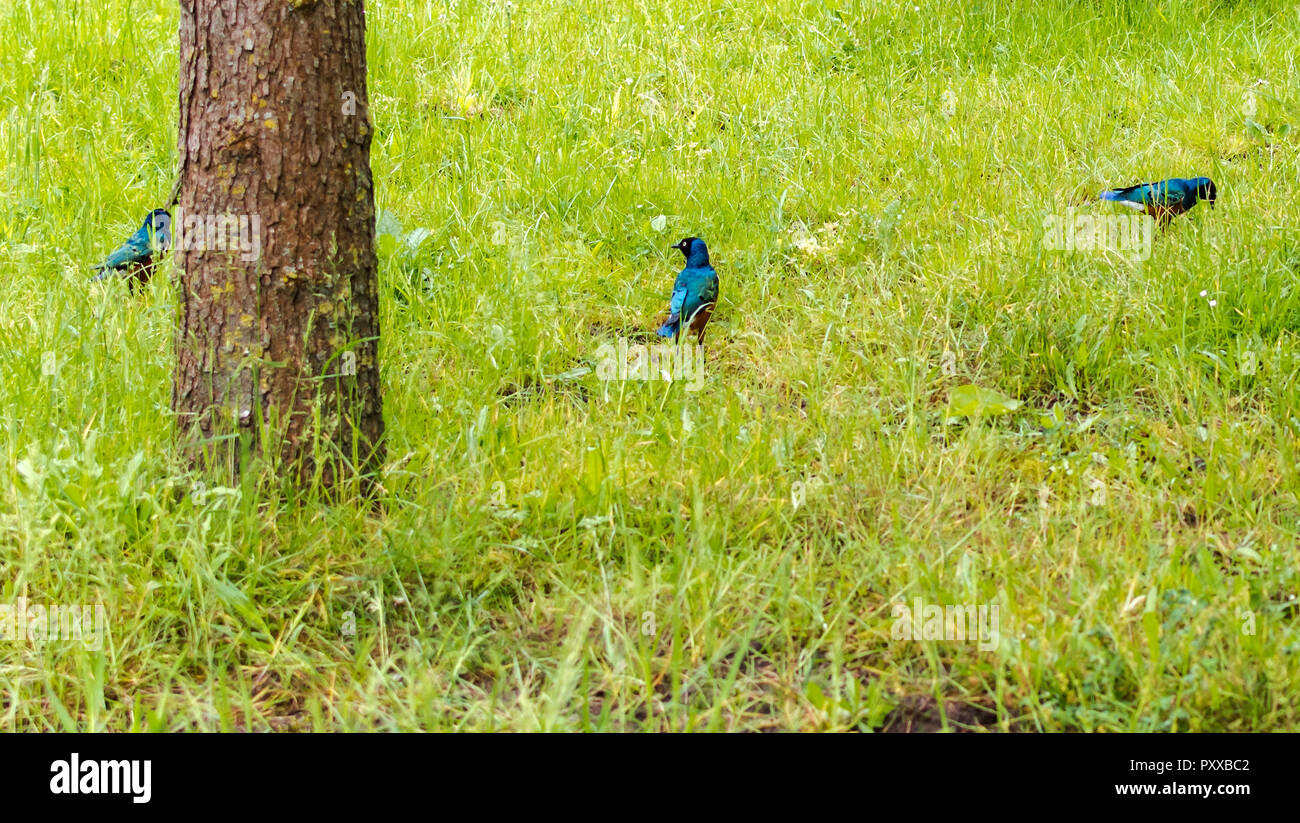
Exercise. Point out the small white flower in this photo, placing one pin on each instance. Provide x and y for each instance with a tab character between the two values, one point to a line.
1214	303
1204	292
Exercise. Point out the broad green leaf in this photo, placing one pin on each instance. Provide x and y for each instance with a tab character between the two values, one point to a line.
387	223
815	696
1249	553
1052	419
973	401
416	237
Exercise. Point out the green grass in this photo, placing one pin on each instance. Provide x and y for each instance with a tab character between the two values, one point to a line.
577	554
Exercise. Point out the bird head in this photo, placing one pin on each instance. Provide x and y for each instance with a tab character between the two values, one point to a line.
694	250
159	224
1206	190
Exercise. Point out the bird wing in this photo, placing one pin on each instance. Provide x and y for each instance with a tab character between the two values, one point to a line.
701	290
1172	194
1134	197
136	249
1135	193
709	294
1178	198
1162	193
680	289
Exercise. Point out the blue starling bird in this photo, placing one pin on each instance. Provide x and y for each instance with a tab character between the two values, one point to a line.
1166	199
695	292
135	257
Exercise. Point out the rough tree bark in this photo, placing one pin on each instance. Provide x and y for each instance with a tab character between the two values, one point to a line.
277	327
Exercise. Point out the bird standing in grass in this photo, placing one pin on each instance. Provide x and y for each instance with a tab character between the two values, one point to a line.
1166	199
135	257
695	292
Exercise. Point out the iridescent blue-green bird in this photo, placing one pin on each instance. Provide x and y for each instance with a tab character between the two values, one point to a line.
695	292
1165	199
135	257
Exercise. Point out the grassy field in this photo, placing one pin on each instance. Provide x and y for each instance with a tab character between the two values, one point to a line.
562	552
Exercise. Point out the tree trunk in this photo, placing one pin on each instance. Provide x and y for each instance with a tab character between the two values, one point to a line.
277	327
